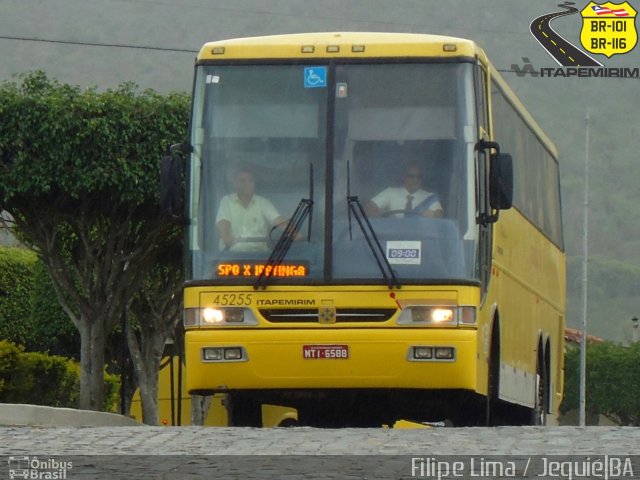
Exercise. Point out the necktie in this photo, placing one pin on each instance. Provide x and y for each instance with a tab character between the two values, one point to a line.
409	205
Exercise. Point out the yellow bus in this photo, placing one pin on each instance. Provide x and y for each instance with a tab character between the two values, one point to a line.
307	286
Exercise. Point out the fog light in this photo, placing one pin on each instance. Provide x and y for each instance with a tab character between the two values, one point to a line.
212	354
422	353
444	353
233	353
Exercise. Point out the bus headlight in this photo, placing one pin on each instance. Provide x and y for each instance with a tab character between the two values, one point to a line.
437	315
219	317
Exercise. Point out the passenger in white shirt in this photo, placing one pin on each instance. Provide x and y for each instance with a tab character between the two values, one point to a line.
409	200
244	219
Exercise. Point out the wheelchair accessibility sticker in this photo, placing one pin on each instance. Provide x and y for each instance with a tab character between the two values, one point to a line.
315	77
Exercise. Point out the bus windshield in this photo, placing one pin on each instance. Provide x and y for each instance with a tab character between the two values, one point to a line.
381	154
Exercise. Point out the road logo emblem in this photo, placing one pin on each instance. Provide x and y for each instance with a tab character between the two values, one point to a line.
608	28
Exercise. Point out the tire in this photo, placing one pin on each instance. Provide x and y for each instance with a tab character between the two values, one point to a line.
493	381
539	410
288	423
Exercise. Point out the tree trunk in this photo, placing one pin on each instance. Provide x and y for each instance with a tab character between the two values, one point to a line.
149	397
200	408
93	343
146	358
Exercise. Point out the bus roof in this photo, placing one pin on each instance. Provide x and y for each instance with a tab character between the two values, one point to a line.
340	44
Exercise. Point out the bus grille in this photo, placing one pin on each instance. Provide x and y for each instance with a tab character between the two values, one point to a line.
343	315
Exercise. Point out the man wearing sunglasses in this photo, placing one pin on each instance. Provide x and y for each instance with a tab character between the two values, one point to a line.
408	200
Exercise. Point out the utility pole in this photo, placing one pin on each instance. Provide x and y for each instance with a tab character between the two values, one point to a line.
585	245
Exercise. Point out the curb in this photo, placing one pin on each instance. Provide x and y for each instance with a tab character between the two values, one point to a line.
12	414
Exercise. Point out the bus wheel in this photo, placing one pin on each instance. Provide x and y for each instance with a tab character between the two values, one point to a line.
539	411
288	423
493	381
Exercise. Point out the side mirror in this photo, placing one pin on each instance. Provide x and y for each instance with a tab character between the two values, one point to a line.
501	182
171	196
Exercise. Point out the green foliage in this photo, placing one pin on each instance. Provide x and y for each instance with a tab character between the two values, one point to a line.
112	393
39	379
79	173
30	314
60	139
612	383
16	283
9	354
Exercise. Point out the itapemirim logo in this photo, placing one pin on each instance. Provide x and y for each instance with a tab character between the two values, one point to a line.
608	29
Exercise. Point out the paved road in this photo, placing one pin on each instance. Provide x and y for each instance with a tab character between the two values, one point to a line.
201	452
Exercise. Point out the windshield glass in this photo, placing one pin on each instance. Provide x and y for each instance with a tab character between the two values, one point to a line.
268	139
259	143
404	147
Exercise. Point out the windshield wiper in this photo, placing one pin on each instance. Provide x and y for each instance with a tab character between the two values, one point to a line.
370	236
303	210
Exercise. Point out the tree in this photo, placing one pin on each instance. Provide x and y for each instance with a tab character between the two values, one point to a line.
150	320
79	173
612	382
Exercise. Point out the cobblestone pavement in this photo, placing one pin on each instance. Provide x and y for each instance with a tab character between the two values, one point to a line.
209	452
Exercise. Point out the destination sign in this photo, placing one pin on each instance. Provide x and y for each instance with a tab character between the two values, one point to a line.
255	269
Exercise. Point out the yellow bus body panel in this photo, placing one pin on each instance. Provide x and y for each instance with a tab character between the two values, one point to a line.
378	352
378	358
528	286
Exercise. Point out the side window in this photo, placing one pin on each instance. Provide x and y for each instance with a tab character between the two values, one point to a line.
482	112
481	102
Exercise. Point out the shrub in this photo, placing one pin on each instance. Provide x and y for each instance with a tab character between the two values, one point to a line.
8	360
39	379
112	393
30	314
16	283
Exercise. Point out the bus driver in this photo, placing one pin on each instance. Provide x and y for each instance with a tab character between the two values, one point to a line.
410	199
244	218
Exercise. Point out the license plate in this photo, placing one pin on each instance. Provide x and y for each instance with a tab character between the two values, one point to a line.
331	352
